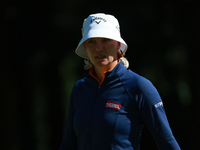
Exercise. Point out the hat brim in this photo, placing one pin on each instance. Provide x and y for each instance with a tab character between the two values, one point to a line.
99	33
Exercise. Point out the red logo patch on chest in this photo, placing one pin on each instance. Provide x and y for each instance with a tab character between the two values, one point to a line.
113	105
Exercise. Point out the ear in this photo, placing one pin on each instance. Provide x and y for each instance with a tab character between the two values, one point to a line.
118	45
119	54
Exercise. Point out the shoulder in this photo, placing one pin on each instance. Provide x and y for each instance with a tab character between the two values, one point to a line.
78	85
136	82
79	82
131	78
143	91
146	86
83	80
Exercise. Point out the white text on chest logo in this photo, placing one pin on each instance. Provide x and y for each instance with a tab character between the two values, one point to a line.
113	105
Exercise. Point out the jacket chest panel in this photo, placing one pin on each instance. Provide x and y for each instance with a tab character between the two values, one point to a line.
92	115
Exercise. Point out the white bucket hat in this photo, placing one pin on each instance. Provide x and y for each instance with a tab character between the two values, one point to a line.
102	26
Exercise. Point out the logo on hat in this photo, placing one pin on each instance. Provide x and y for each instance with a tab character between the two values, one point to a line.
97	18
97	22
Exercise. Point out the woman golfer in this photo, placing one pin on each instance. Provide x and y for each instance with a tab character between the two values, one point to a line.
111	104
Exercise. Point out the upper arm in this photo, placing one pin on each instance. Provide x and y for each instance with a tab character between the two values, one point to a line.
69	140
154	116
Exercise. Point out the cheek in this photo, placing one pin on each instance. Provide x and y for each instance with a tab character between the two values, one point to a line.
89	53
87	50
114	53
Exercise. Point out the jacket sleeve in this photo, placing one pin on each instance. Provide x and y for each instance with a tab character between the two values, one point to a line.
69	141
154	116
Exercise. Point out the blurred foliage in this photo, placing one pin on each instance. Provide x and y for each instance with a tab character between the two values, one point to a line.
40	67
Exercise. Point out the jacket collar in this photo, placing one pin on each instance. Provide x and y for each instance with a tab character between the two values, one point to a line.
109	75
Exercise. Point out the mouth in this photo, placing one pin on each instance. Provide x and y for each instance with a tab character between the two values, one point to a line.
100	57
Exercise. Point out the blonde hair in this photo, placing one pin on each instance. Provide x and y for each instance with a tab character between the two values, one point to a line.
125	61
89	65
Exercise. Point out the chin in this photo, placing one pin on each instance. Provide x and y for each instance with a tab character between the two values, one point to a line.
102	64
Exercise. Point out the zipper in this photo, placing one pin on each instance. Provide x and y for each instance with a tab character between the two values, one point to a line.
91	118
100	82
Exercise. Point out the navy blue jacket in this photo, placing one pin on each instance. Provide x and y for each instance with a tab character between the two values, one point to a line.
111	116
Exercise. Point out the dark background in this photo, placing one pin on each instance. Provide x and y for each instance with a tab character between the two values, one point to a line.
39	66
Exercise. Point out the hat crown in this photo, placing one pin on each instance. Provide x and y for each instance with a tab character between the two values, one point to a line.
100	21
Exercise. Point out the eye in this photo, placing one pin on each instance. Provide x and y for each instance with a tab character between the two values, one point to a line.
106	40
91	41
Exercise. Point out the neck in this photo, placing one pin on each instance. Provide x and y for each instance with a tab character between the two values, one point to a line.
100	71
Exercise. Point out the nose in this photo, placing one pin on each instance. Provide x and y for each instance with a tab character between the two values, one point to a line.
99	46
